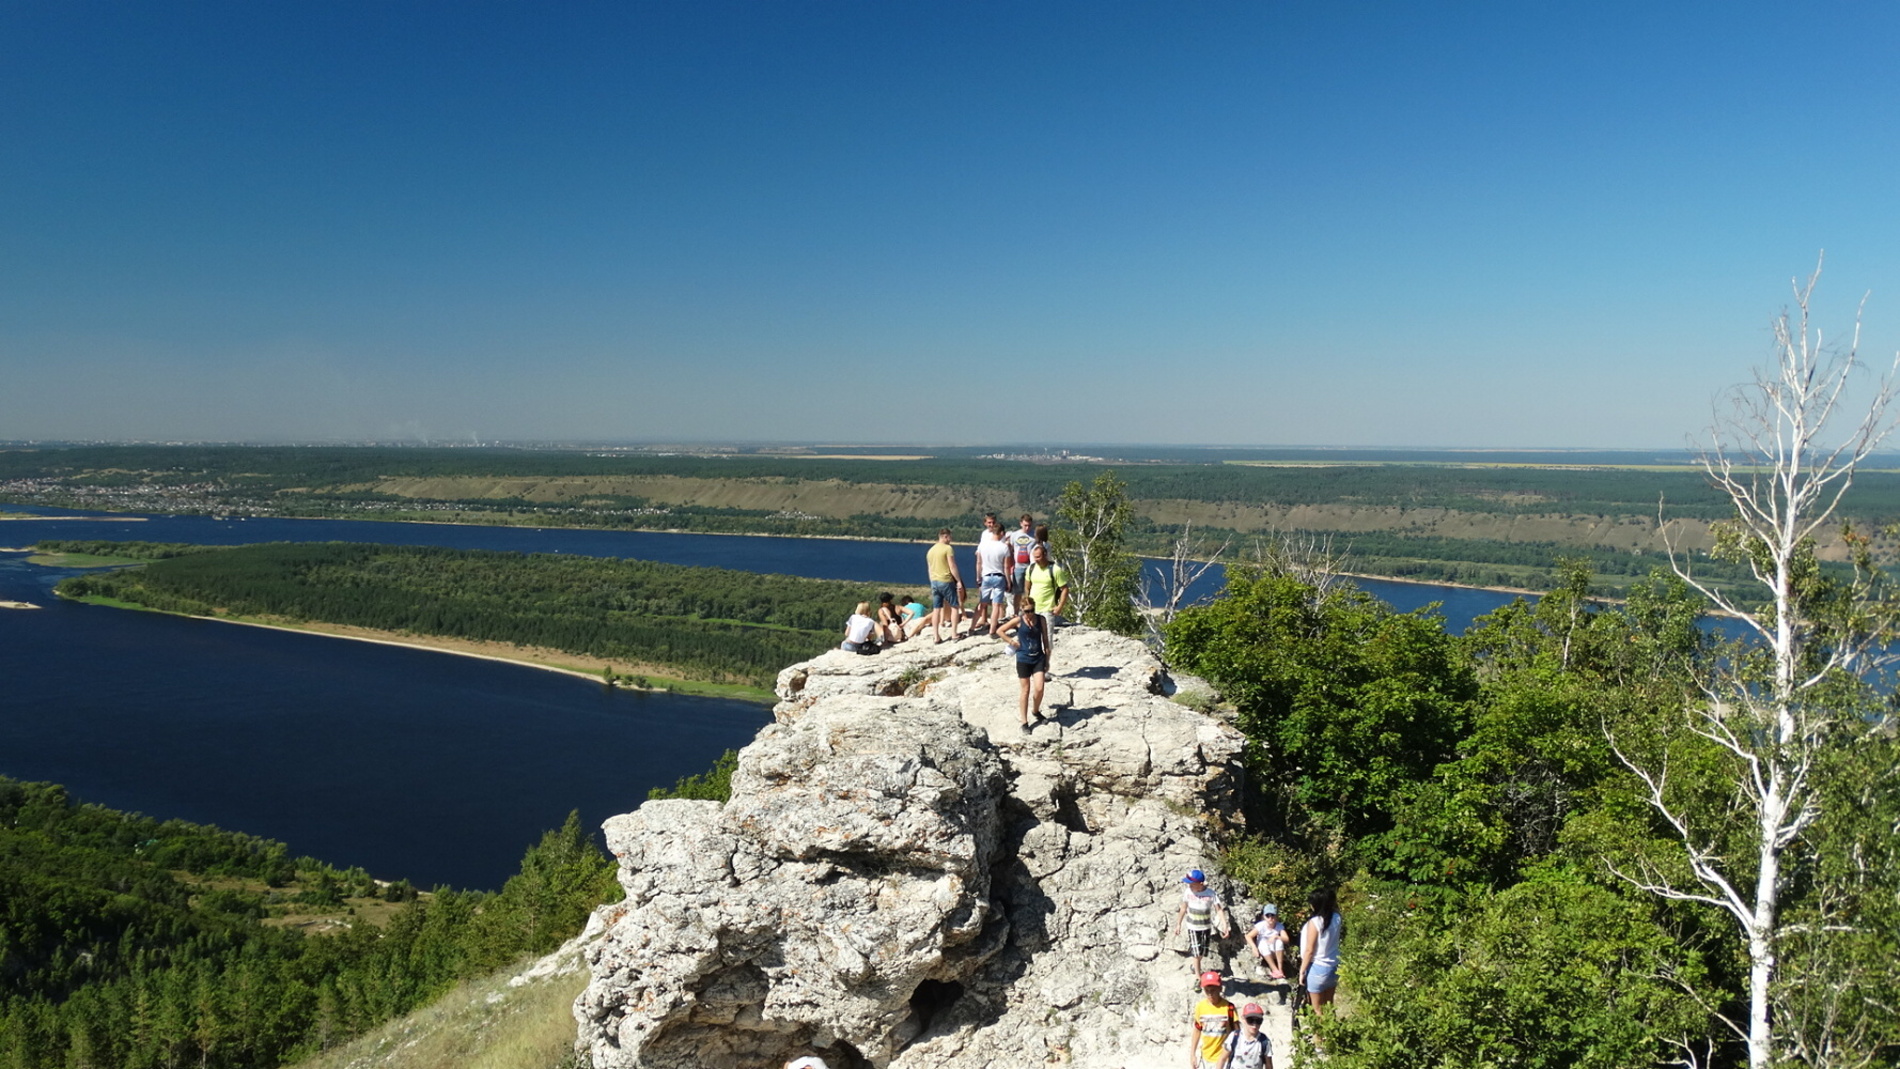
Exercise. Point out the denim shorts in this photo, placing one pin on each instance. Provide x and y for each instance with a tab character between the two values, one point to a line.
943	595
992	592
1322	978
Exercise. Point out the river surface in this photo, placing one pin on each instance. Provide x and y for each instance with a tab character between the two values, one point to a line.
411	763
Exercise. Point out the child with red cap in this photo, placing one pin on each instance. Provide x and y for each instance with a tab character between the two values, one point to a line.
1250	1048
1213	1020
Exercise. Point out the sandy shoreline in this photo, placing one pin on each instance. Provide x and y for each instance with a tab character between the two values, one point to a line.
70	519
468	648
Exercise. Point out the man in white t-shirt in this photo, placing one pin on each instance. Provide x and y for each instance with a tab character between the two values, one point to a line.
992	569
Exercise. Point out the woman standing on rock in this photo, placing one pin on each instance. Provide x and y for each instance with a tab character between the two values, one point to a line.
1028	635
1319	949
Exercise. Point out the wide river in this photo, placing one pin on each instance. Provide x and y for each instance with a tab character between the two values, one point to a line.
410	763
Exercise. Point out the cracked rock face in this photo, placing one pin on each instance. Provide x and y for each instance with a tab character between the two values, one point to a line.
903	878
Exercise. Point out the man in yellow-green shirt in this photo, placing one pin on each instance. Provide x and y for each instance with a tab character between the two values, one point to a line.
946	587
1048	584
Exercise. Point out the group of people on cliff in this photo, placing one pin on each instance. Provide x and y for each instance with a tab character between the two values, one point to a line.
1229	1037
1022	594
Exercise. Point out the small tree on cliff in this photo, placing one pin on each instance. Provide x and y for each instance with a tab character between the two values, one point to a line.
1755	768
1089	543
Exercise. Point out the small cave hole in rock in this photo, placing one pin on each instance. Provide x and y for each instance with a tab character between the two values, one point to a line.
844	1056
932	999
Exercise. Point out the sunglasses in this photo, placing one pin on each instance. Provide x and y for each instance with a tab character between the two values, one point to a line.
1254	1020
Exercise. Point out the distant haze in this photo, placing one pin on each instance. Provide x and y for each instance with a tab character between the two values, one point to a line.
1487	224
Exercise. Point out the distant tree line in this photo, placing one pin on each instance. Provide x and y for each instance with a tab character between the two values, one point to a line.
128	941
710	623
344	471
132	550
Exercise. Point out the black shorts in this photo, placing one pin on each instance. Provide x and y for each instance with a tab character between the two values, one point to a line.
1025	669
1197	942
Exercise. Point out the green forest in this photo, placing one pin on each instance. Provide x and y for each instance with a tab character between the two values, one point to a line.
1478	800
144	944
711	624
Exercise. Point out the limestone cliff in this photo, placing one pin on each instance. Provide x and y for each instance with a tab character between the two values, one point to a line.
902	878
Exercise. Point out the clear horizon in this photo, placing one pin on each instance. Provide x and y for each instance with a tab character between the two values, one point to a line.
1356	226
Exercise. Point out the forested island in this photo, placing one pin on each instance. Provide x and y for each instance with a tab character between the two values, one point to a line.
642	622
1485	519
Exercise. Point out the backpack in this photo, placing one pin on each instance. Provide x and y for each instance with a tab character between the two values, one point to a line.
1259	1052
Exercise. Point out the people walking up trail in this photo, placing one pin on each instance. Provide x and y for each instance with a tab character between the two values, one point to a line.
1213	1020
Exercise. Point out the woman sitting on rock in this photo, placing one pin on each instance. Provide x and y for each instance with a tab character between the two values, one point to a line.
860	631
890	620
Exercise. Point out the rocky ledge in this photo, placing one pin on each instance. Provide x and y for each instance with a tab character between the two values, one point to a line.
903	878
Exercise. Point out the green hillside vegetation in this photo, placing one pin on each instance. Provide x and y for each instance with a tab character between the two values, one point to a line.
711	624
501	1021
1464	793
128	941
1439	521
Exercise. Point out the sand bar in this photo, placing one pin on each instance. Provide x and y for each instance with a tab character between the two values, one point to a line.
70	519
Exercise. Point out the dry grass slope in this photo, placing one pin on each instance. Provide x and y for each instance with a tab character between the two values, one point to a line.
483	1024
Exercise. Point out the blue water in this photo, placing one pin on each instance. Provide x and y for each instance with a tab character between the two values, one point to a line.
437	768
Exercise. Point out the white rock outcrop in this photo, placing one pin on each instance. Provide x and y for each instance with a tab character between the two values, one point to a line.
902	878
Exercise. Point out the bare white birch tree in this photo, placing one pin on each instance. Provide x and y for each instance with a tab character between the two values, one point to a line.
1161	599
1309	557
1785	461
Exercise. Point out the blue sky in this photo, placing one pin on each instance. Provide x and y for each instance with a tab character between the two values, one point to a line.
1434	224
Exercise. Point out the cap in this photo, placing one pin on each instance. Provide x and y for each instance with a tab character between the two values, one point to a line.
1252	1009
1211	978
1194	876
1269	910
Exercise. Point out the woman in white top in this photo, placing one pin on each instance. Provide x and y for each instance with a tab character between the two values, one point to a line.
1319	948
858	630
